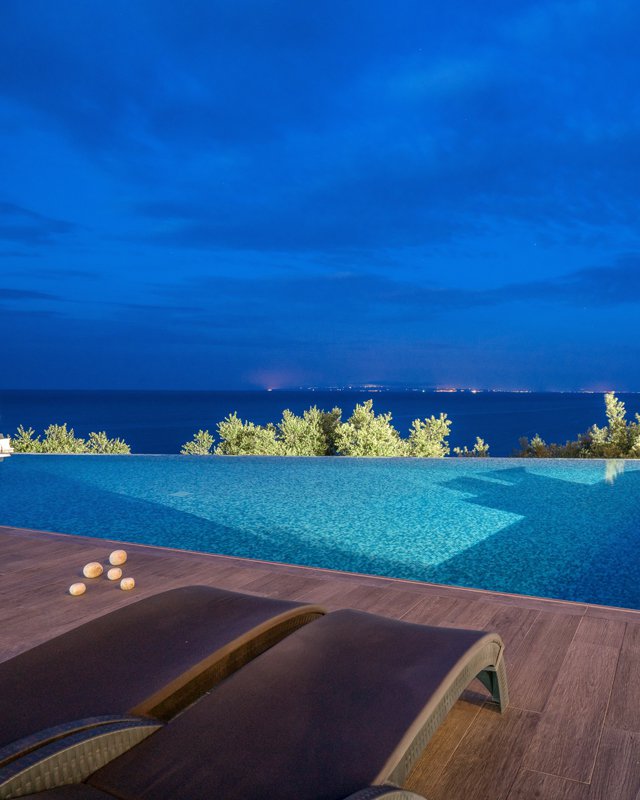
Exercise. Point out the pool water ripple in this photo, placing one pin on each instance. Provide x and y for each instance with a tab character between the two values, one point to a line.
564	529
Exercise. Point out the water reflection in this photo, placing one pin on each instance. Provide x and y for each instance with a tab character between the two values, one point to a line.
613	468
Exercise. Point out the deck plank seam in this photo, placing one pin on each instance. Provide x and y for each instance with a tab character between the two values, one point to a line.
606	711
409	610
553	775
462	738
513	653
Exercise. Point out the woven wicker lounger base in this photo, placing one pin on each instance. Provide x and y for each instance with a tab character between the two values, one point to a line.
340	708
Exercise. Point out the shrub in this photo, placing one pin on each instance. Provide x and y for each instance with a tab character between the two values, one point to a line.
312	434
57	439
368	434
24	441
330	422
480	449
428	437
238	438
538	448
617	439
200	445
99	443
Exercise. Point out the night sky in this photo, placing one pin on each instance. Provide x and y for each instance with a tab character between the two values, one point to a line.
267	194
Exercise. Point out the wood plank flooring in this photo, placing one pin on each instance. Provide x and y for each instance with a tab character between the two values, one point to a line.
572	731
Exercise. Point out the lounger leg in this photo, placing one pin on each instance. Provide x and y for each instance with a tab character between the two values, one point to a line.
495	679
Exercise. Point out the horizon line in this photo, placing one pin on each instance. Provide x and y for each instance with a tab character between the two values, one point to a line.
359	389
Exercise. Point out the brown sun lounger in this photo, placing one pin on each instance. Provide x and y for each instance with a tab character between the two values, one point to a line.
152	657
340	708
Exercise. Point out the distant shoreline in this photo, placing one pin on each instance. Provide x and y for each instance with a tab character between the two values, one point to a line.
329	390
160	421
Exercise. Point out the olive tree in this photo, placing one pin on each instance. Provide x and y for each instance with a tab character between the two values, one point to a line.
368	434
312	434
238	438
59	439
100	443
26	441
617	439
428	438
200	445
480	449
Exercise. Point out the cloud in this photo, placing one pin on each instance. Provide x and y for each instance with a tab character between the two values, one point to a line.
52	273
592	287
7	293
23	226
279	127
321	306
361	181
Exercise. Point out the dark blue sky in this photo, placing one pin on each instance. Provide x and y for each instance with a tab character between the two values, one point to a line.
250	194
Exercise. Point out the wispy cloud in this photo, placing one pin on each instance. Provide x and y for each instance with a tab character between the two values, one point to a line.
361	294
7	293
23	226
360	182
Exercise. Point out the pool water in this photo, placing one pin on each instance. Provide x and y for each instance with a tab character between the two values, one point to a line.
563	529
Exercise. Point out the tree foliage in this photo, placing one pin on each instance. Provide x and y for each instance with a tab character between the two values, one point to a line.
619	438
100	444
200	445
238	438
322	433
428	438
366	433
26	441
312	434
480	449
60	439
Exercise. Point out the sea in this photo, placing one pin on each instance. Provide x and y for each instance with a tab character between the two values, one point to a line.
161	421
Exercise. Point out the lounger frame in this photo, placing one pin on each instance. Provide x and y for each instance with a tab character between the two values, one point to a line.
73	758
181	690
485	661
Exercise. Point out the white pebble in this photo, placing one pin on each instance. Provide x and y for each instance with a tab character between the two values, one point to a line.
118	557
76	589
126	584
92	570
114	574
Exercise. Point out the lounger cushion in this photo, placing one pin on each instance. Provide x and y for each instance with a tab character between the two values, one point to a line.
121	662
315	718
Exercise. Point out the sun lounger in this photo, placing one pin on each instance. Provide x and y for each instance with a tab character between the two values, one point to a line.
340	708
152	657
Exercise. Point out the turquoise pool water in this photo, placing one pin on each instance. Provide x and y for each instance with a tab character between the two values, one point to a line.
564	529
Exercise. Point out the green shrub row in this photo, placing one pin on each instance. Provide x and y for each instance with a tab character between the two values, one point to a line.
323	433
364	433
59	439
619	438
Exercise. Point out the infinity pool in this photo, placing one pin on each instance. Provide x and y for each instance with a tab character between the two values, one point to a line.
564	529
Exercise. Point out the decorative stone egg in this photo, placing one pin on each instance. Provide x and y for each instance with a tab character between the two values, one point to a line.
76	589
118	557
114	574
126	584
92	570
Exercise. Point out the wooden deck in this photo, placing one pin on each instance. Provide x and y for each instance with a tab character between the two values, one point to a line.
572	731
